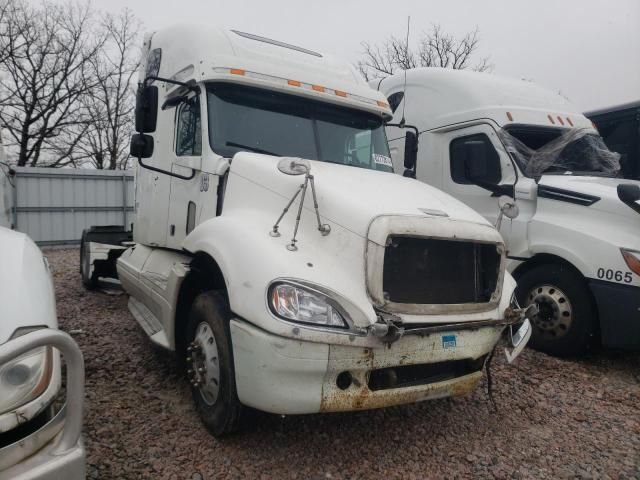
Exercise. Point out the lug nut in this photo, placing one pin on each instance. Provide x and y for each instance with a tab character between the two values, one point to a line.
202	370
189	359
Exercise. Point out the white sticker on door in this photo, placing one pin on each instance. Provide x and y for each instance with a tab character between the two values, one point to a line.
381	159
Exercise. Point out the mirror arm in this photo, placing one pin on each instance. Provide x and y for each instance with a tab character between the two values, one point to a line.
496	190
166	172
188	86
412	127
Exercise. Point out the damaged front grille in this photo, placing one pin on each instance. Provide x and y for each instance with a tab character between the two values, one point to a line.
437	272
423	374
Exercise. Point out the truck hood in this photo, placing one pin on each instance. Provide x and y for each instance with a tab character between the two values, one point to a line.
26	291
352	197
602	191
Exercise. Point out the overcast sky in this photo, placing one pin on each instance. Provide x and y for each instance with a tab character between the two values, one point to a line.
587	49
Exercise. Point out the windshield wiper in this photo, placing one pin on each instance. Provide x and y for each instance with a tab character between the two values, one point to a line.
253	149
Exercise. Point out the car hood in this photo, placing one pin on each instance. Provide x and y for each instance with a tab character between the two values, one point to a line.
26	291
352	197
602	191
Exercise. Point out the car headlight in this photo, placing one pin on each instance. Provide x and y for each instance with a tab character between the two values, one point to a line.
632	259
305	305
25	378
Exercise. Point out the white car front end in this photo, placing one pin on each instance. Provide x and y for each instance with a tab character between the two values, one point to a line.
31	421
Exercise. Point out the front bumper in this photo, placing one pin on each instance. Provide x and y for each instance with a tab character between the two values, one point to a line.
35	457
619	314
55	450
287	376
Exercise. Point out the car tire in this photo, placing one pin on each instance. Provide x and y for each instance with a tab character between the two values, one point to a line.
567	322
208	347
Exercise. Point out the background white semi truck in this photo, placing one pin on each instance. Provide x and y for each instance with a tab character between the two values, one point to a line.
377	290
574	247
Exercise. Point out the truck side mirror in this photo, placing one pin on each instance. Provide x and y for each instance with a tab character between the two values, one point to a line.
410	151
141	145
146	108
475	160
477	168
629	194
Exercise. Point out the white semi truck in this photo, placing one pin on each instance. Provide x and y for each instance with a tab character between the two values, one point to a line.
275	251
574	246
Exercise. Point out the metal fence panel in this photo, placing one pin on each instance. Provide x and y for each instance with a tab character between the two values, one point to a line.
54	205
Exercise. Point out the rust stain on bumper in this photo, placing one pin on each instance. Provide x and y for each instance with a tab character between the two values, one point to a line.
359	397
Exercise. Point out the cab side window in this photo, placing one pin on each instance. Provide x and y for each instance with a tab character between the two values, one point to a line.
394	100
188	129
474	158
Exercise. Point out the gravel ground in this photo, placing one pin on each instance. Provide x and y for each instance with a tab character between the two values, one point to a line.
556	419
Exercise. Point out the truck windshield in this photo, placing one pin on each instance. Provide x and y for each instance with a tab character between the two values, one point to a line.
256	120
542	150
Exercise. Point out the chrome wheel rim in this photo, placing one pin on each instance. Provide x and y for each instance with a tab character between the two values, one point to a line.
203	363
555	313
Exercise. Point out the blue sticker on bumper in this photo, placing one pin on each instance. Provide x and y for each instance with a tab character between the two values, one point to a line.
448	341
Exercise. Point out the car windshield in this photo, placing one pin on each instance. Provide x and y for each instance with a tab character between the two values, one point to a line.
251	119
576	151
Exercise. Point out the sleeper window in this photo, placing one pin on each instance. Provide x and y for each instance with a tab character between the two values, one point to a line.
188	130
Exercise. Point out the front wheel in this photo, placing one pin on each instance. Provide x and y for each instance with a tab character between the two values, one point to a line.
209	364
566	323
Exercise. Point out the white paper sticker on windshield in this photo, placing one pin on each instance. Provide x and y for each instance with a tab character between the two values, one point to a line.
382	160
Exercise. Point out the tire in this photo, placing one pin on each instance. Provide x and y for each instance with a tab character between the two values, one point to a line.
214	391
90	282
108	234
566	323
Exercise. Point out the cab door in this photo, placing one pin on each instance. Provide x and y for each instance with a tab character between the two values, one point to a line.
474	155
187	161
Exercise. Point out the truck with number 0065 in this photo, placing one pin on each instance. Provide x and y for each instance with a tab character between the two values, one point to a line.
573	239
276	252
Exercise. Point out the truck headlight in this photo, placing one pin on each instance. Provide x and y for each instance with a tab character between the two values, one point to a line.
632	259
304	305
26	377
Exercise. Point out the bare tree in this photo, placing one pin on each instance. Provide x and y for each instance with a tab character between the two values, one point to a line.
44	72
110	105
435	49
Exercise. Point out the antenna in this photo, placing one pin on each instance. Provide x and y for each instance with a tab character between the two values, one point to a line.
404	88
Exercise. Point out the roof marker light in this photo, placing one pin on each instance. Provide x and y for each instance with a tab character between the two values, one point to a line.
509	116
551	119
569	121
560	120
305	86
